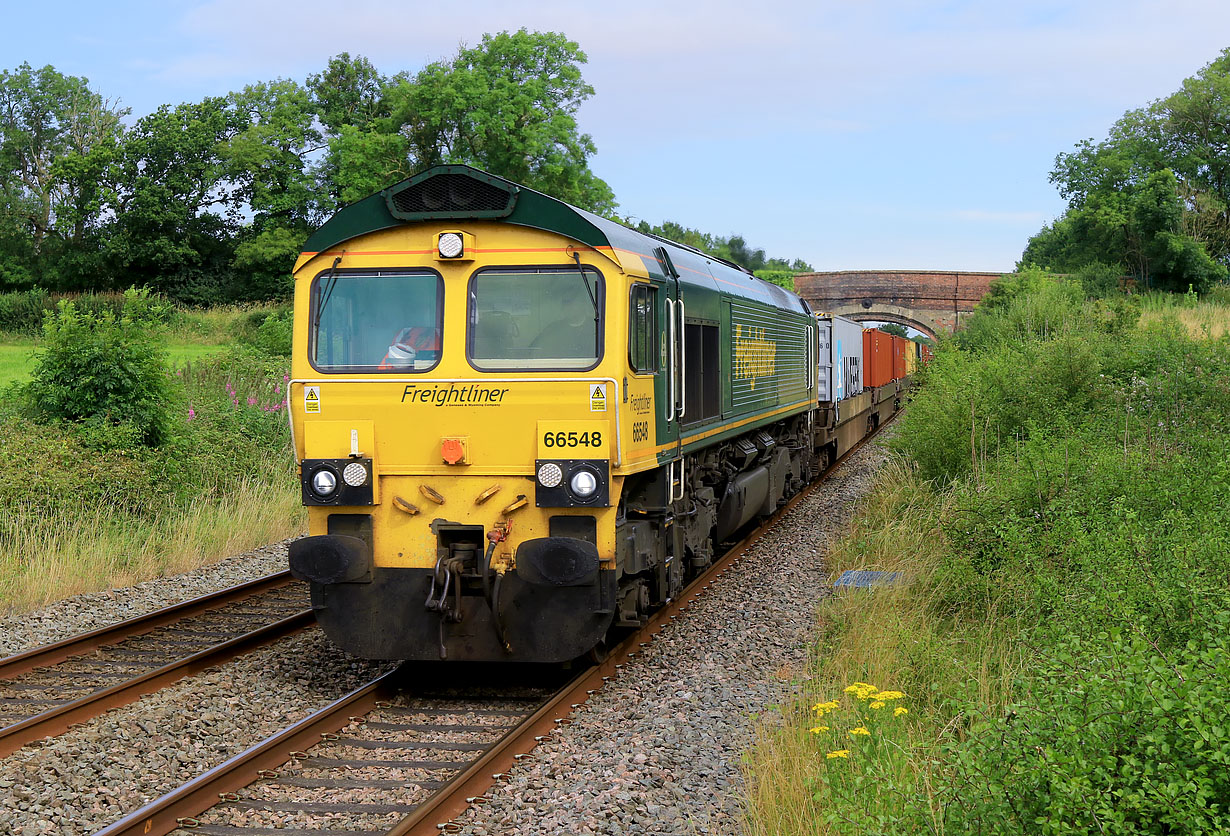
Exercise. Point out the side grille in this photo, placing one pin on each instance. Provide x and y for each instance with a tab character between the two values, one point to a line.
450	195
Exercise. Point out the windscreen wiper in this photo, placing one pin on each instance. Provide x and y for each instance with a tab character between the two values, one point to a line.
592	299
331	281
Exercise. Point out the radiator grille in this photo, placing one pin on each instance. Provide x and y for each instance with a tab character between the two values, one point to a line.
451	196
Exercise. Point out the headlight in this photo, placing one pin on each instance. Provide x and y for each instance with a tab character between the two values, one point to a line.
354	475
451	245
583	484
324	482
550	475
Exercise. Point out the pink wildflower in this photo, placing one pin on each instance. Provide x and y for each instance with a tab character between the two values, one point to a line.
191	413
252	400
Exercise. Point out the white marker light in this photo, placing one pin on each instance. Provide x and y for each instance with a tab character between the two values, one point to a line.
354	475
451	245
550	475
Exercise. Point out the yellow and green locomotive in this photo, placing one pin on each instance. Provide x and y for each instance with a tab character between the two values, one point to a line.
521	425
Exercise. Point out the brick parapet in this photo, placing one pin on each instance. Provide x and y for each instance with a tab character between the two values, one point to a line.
934	297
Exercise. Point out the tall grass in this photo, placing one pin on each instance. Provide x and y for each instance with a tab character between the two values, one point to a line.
90	548
1208	318
896	638
93	507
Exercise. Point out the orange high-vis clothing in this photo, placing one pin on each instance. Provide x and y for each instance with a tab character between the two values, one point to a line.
412	340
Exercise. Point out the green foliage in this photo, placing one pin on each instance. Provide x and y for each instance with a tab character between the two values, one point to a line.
208	202
895	329
226	426
56	138
507	106
1152	197
1110	736
21	312
264	262
266	332
104	370
1098	279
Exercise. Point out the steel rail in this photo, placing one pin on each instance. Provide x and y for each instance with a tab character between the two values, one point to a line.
57	720
50	654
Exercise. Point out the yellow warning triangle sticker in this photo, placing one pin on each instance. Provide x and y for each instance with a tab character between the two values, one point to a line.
598	392
311	395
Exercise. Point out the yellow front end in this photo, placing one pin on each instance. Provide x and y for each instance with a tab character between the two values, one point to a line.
421	561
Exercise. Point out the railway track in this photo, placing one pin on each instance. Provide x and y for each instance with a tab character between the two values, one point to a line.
45	690
390	759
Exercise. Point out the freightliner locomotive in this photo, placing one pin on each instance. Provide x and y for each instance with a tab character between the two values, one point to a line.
521	426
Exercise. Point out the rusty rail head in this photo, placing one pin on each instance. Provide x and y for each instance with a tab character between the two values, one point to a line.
57	720
162	815
50	654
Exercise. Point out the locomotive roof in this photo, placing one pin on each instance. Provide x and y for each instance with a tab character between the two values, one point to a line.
460	192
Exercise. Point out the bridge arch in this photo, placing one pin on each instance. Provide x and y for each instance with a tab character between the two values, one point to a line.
932	301
888	313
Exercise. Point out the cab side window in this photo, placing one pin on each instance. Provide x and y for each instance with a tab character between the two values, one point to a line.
643	329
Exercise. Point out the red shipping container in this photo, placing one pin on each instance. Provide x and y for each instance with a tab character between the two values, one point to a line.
877	358
900	346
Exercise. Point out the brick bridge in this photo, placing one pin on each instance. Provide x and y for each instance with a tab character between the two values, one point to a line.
932	301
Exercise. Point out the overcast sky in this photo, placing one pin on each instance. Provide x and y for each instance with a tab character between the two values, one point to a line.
852	134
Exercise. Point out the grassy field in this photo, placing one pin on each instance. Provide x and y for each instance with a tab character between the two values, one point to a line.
16	360
17	356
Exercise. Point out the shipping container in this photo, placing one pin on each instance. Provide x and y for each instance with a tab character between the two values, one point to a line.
901	347
877	358
840	358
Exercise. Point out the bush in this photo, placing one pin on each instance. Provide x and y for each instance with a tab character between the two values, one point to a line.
1099	279
268	332
1110	737
102	368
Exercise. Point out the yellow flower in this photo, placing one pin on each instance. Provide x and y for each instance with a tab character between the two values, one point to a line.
859	730
899	710
840	753
861	690
818	729
890	695
878	704
823	708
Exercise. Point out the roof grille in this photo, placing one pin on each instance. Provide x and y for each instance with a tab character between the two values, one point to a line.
451	195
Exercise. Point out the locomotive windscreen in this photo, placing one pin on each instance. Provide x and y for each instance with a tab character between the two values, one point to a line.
535	319
376	322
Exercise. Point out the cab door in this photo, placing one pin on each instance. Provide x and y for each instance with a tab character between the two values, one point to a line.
668	388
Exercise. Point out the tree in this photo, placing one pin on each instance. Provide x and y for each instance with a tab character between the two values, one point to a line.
349	93
268	166
1152	198
507	106
174	207
894	329
56	138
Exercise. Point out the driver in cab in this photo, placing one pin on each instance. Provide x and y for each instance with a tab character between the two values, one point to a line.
418	342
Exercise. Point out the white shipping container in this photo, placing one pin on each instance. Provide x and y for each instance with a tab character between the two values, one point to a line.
841	358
